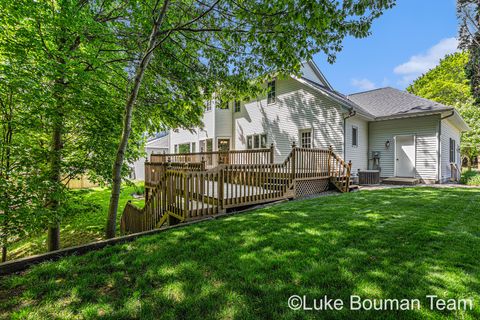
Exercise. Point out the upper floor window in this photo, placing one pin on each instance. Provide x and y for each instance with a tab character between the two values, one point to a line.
452	150
224	104
208	105
354	136
306	138
236	106
271	94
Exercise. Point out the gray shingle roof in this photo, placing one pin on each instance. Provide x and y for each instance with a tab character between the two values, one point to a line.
387	102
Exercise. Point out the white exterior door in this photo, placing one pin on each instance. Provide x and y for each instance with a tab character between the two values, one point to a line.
405	156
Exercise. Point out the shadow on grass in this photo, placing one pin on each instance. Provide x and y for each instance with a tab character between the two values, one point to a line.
84	220
396	243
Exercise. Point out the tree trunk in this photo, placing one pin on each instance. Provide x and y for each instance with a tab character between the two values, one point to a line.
4	253
127	124
53	238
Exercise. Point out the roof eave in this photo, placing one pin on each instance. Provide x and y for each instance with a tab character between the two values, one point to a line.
412	115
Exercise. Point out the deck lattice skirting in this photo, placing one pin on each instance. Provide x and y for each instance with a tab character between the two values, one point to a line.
183	191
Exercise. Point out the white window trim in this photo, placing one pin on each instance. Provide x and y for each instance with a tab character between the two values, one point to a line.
351	132
300	132
274	89
259	141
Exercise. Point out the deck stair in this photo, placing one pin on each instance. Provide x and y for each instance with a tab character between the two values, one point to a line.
177	192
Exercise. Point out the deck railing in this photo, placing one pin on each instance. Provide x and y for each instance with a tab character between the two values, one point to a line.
215	158
188	191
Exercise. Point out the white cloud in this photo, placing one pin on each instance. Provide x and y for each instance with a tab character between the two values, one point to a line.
363	84
421	63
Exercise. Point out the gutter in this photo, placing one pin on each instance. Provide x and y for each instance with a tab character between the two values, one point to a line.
412	115
352	113
450	115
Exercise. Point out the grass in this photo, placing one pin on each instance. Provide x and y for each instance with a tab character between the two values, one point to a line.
392	243
470	177
85	222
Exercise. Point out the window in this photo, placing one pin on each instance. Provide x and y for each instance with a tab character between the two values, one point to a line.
452	150
223	104
209	145
306	138
206	145
176	148
354	136
263	141
194	147
249	142
271	92
236	106
184	148
208	105
257	141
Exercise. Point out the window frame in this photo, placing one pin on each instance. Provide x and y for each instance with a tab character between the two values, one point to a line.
255	141
272	92
237	107
355	137
452	147
301	138
208	106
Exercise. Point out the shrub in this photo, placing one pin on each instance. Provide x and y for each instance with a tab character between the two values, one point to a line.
470	177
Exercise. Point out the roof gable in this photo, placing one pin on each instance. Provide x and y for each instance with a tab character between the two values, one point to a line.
310	71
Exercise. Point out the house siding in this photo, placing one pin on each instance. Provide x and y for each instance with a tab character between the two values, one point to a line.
223	124
358	155
448	131
426	131
297	107
180	136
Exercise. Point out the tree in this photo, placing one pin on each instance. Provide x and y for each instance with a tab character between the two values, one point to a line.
448	84
78	64
468	12
191	49
21	190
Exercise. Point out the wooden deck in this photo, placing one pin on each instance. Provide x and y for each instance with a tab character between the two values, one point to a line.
177	191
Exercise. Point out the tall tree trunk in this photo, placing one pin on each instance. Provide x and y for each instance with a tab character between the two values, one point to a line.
53	239
127	123
6	159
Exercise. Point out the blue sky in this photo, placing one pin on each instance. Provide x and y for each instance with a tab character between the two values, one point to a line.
405	42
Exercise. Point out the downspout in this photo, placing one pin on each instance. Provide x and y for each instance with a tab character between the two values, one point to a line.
439	152
352	113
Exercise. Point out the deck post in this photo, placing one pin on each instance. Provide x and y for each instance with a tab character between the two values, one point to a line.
272	153
220	187
330	153
186	195
294	165
347	180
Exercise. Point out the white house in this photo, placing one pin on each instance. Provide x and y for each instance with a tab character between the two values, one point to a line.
155	145
398	133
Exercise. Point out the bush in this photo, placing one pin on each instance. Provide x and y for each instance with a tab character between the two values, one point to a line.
470	177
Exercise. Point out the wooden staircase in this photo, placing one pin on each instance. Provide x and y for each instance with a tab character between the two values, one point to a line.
182	192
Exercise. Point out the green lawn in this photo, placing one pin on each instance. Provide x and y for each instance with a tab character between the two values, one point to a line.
84	223
393	243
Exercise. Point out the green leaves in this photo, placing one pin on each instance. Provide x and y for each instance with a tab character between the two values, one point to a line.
448	84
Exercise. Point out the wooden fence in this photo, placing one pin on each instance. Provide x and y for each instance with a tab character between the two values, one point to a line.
187	193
